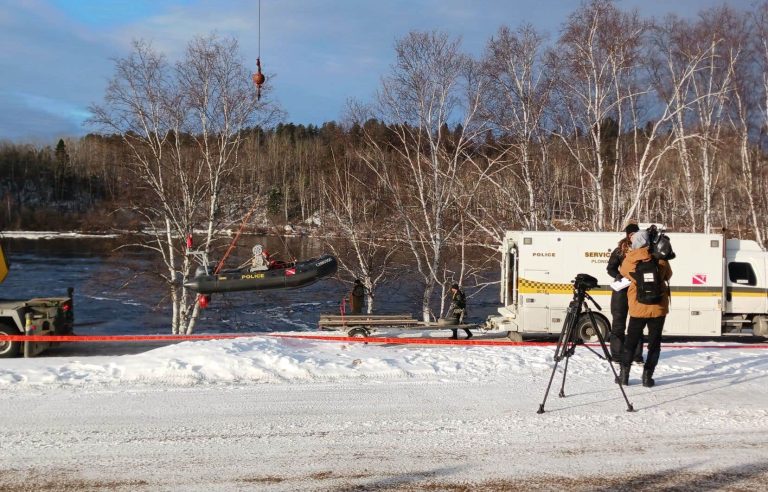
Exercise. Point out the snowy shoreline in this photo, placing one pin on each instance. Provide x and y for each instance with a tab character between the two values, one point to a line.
287	414
54	235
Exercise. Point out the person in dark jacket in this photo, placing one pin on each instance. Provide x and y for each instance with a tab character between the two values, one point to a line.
356	297
458	310
643	315
619	303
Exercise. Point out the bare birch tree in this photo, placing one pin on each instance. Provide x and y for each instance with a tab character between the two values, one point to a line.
431	86
515	102
589	59
157	110
714	47
357	210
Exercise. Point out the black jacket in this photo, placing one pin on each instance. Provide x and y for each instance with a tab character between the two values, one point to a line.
614	262
459	300
358	291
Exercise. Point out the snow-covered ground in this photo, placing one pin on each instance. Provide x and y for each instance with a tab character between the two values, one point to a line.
268	413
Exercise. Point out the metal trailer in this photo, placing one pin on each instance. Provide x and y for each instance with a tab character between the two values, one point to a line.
364	325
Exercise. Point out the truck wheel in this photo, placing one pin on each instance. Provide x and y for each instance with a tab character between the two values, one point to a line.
9	349
358	333
514	336
586	332
760	326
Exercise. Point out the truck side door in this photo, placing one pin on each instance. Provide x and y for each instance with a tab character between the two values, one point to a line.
745	292
534	305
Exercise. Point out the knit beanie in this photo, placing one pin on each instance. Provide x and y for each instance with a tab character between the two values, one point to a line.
640	239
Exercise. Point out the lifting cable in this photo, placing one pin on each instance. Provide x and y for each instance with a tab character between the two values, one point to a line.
258	77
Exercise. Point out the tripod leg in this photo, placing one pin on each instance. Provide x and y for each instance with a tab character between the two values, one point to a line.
546	393
566	334
630	408
565	372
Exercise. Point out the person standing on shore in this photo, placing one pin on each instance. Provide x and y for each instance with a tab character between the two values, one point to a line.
619	303
648	296
458	310
357	296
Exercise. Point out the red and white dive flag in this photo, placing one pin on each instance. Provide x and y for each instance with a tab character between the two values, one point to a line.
699	279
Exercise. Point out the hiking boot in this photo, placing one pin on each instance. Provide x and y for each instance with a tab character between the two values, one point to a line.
639	360
624	376
648	381
454	337
469	335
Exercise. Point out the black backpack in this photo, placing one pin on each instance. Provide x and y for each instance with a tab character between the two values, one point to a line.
650	286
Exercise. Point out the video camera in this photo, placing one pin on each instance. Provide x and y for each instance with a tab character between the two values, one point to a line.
659	244
584	282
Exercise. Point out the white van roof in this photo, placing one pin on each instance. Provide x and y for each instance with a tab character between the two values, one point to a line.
742	245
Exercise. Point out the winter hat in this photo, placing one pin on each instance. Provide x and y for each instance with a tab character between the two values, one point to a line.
455	286
640	239
631	228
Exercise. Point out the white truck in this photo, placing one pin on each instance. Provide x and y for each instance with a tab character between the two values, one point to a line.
39	316
718	285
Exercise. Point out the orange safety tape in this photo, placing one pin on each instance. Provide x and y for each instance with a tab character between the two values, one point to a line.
118	338
401	341
414	341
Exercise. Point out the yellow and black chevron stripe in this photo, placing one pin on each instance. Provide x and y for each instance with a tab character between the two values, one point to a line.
526	286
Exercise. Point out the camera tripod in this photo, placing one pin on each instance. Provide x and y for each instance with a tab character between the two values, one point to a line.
566	344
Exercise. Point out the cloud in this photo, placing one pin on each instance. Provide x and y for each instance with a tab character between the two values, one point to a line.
26	120
55	55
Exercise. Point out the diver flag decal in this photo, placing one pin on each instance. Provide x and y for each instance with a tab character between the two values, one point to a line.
290	271
699	279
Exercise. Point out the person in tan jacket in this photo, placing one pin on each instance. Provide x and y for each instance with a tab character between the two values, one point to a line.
642	314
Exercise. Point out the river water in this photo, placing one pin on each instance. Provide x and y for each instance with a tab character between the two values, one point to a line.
116	293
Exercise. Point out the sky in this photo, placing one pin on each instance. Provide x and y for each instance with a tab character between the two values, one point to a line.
56	56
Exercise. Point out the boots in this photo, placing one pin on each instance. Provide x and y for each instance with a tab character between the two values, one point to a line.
647	379
623	377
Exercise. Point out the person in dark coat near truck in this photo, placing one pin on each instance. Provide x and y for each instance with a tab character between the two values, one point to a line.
458	310
356	297
619	303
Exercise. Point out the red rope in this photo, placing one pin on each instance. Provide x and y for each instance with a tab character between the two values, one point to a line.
388	340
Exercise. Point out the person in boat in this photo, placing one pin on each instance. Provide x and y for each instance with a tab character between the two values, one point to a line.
356	297
269	259
258	260
458	310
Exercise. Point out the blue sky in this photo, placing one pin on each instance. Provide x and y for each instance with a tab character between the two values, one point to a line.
56	55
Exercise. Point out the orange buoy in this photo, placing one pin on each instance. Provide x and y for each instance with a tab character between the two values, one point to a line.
203	300
258	78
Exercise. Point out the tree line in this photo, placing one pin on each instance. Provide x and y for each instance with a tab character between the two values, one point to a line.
618	118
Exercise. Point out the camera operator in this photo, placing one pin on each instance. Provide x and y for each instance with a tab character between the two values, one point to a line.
619	304
643	314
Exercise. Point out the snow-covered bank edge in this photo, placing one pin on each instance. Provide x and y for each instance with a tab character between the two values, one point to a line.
55	235
274	360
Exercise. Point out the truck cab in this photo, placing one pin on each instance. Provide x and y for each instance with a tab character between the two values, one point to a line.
43	316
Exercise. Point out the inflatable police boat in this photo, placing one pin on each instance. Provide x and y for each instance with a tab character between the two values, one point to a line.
284	276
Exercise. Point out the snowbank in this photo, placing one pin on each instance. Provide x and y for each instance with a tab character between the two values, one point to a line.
273	360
